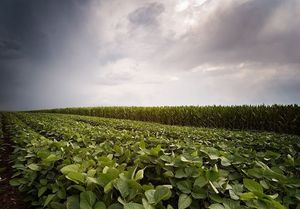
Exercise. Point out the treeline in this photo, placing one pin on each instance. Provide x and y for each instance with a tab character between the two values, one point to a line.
276	118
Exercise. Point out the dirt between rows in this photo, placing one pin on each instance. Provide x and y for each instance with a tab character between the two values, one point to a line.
10	197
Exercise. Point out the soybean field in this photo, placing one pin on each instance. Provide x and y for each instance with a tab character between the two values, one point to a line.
64	161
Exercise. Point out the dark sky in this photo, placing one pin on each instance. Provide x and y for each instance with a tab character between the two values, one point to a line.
56	53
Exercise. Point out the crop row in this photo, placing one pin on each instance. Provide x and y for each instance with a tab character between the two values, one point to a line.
211	137
276	118
63	163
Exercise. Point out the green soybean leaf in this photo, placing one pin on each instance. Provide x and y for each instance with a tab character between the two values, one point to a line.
99	205
52	158
133	205
73	202
252	185
42	191
115	206
247	196
180	173
68	168
49	199
184	201
168	174
108	187
34	167
122	186
231	204
76	177
57	205
150	196
77	187
216	206
87	200
200	182
169	207
184	186
233	195
162	193
216	198
15	182
146	204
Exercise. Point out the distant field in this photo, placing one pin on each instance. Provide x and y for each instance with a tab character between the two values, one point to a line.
66	161
275	118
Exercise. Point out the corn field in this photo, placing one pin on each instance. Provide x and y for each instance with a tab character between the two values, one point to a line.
275	118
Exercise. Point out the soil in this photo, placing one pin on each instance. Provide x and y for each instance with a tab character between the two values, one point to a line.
10	197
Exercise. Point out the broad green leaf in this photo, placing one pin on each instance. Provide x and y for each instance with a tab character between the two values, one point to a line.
233	195
49	199
87	200
52	158
93	180
99	205
91	172
247	196
200	182
212	174
184	186
231	204
57	205
168	174
252	185
199	194
108	187
192	172
15	182
105	178
115	206
76	177
162	193
61	193
70	168
134	189
34	167
146	204
216	198
180	173
225	162
43	182
216	206
150	196
277	205
73	202
78	187
264	184
42	191
122	185
184	201
133	205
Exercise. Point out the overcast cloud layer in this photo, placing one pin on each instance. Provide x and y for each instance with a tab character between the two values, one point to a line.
57	53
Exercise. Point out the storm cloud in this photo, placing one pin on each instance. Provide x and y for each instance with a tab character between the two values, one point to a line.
141	52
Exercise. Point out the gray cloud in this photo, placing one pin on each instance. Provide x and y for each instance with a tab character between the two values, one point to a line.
10	49
141	52
253	31
146	15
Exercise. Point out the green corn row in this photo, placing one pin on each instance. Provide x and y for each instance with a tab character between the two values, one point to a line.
275	118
